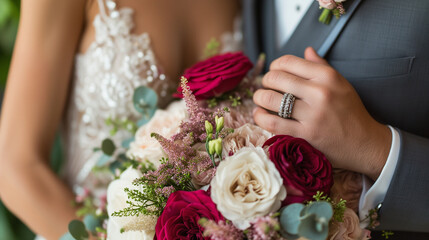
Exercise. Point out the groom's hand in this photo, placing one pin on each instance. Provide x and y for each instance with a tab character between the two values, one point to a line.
328	113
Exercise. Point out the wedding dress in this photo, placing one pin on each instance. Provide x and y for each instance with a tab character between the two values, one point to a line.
104	80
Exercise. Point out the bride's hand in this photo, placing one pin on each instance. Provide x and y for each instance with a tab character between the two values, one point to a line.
328	113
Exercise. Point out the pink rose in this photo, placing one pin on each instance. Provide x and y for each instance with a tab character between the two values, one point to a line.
304	169
216	75
180	217
348	186
348	229
328	4
240	115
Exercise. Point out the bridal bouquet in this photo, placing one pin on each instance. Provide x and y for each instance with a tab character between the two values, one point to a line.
202	169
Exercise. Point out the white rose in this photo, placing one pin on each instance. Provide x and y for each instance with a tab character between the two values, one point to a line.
164	122
141	227
247	185
248	135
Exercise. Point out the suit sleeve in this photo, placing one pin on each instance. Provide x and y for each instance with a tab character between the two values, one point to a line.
406	204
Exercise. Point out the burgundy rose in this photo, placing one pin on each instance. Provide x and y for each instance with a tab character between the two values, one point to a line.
216	75
179	220
304	169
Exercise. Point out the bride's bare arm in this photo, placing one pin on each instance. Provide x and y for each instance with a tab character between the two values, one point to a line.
36	93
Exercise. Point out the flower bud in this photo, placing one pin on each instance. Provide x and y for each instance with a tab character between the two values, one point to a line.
212	147
219	123
209	128
218	146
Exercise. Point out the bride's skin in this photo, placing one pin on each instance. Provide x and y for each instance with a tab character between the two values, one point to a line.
50	34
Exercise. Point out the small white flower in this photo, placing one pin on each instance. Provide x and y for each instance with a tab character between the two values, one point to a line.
164	122
141	227
247	185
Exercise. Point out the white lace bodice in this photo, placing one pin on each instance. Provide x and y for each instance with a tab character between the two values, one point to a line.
103	84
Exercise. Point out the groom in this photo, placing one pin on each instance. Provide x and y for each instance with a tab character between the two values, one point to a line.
362	95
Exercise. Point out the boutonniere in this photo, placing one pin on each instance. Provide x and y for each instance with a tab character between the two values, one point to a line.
330	8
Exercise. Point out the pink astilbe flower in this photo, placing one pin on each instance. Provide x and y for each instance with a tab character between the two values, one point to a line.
221	230
197	116
175	150
265	228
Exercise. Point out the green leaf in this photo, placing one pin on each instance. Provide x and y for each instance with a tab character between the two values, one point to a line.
77	230
103	160
145	101
67	236
321	209
290	218
91	222
108	147
126	143
314	228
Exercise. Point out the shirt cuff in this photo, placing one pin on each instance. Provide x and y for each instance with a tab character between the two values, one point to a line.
373	193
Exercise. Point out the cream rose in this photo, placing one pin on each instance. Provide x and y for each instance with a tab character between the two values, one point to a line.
247	185
248	135
141	227
349	229
166	123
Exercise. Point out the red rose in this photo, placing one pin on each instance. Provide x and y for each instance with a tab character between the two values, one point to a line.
179	220
304	169
216	75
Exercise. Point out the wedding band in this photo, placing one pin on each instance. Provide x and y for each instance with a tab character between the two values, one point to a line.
286	106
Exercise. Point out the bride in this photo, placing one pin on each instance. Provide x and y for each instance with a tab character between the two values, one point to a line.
75	64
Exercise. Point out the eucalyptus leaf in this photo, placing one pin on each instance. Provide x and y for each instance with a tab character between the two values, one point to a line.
77	230
290	218
67	236
145	99
126	143
103	160
91	222
314	227
108	147
320	208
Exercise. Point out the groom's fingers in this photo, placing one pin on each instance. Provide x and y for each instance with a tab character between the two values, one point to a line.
271	100
286	82
275	124
299	67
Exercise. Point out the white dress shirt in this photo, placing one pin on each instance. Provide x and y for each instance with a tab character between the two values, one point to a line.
288	16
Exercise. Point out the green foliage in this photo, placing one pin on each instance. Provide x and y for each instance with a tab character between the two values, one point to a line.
387	234
9	19
149	200
310	221
145	101
119	124
108	147
339	207
212	48
77	230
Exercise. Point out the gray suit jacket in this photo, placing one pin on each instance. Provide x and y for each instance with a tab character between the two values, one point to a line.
382	48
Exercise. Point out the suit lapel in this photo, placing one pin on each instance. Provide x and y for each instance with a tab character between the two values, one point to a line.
310	32
251	16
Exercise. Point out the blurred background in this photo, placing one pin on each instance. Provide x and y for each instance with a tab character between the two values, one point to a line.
10	227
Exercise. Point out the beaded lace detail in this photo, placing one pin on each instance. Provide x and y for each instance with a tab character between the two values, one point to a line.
104	81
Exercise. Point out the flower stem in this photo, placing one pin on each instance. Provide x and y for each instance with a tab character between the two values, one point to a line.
325	16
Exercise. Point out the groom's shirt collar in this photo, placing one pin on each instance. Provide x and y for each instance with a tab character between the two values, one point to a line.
288	16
